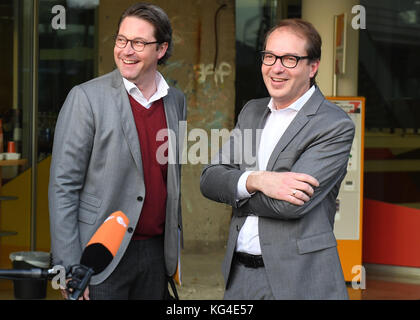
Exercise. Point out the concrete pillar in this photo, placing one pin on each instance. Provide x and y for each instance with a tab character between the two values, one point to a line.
321	14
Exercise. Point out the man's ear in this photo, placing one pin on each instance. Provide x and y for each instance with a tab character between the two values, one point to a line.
314	68
162	49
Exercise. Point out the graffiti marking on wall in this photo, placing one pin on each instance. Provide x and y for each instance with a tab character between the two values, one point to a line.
204	70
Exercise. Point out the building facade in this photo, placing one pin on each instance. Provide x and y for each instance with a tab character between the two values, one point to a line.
49	46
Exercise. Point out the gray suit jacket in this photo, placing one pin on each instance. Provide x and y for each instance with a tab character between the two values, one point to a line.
96	169
297	242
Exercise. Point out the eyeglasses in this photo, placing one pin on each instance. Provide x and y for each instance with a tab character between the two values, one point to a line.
288	60
137	44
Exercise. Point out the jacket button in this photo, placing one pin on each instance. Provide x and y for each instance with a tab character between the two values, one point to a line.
140	198
130	230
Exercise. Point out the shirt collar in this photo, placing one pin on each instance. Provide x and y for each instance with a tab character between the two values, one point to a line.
297	105
162	88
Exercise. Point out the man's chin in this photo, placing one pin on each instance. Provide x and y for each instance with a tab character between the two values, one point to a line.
129	76
277	93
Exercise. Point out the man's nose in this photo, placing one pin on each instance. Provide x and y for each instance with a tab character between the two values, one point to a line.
128	48
278	66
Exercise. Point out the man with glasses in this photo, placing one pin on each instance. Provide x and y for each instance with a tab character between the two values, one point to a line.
281	243
105	159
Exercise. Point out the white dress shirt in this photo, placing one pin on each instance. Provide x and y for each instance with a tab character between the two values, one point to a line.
276	124
161	91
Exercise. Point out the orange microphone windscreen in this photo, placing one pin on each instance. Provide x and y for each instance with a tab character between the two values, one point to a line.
111	232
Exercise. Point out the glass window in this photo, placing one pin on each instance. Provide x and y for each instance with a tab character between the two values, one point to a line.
389	71
16	66
66	58
389	64
6	67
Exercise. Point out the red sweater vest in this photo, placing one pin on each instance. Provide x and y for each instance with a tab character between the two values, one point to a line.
148	123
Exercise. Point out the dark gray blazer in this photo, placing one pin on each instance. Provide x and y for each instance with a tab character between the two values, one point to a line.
297	242
96	169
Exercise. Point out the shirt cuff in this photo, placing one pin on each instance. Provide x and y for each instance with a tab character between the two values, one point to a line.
242	192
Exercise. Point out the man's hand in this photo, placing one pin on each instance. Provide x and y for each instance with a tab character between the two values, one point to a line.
85	295
296	188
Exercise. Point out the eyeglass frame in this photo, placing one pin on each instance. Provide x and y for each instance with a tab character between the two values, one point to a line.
298	58
145	43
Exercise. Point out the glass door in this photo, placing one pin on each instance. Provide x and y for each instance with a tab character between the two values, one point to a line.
47	48
17	92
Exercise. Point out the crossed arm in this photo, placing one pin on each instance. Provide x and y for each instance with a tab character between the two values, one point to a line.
319	169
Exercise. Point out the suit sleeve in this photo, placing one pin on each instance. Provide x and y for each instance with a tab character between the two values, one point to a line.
73	141
325	159
219	179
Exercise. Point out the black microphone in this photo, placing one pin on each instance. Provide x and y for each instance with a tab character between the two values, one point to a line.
34	273
98	254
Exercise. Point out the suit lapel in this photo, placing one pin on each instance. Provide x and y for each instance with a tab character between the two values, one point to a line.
127	120
301	119
172	123
260	123
257	126
170	113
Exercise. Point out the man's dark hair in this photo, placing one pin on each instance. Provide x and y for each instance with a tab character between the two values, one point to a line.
155	16
306	30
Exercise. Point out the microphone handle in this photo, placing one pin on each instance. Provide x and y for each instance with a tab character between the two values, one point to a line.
80	278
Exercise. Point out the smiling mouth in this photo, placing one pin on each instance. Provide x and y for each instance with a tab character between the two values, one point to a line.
129	61
278	80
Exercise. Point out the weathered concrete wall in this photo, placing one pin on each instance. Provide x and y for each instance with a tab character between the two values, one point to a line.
210	94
